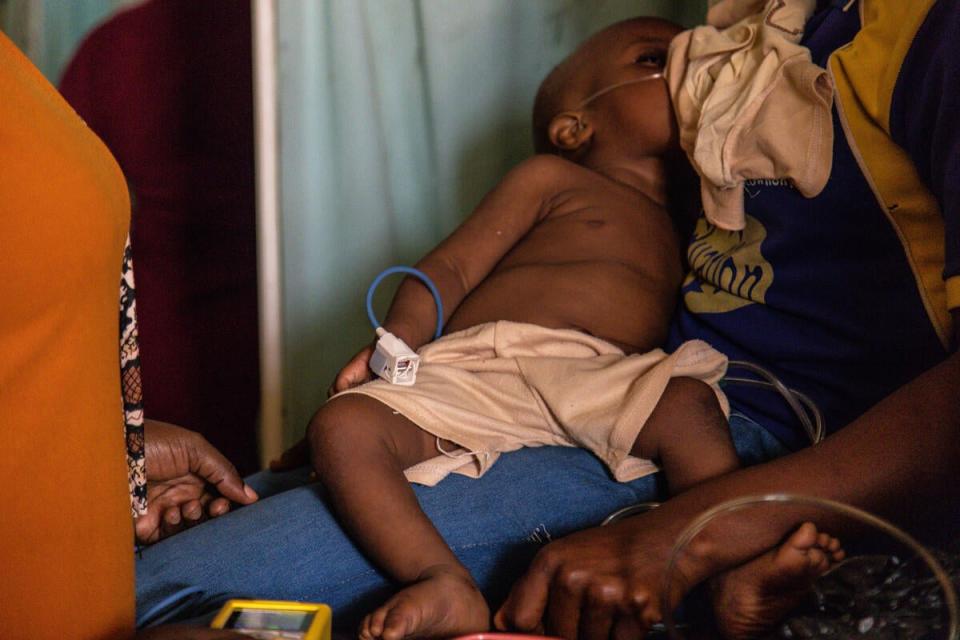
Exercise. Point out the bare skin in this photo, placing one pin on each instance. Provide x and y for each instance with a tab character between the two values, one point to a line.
182	470
606	581
750	599
360	448
581	243
443	602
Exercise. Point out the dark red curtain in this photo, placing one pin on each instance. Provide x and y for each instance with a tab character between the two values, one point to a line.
167	85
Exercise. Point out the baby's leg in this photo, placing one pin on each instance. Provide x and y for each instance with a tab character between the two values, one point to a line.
360	448
688	435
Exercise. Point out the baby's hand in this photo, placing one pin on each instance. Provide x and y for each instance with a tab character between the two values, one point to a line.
354	373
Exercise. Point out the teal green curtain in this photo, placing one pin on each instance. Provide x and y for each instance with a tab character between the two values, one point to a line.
396	117
49	31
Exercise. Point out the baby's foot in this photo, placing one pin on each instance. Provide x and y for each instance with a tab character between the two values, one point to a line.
752	598
444	603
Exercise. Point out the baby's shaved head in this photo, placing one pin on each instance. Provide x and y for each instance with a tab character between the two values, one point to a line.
571	81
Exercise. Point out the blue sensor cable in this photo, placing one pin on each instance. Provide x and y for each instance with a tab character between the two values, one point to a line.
169	606
413	272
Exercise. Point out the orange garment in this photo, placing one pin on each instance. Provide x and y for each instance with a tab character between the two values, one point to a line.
66	540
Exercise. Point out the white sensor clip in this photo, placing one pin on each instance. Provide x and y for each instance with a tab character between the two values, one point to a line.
393	360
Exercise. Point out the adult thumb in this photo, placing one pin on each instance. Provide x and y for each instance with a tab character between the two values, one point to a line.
211	465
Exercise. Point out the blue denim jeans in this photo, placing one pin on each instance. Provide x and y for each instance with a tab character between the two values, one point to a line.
288	546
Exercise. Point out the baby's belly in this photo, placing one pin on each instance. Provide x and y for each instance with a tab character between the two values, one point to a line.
599	298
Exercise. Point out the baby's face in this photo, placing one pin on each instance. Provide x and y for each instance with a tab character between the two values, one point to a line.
616	78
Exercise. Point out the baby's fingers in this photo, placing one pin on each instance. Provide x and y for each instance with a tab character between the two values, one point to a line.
353	375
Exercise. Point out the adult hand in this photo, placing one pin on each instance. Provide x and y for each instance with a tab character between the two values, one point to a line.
188	480
182	632
592	584
606	582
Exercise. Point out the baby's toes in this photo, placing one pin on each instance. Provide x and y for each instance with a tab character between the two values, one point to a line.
823	540
818	561
364	632
804	537
399	620
373	623
835	550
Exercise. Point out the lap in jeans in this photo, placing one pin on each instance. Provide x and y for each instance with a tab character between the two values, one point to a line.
288	546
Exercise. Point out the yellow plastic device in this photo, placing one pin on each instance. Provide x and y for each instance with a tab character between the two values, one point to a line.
270	619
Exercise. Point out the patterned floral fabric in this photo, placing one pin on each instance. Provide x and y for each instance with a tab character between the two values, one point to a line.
131	387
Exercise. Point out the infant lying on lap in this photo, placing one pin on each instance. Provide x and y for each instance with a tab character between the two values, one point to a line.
559	288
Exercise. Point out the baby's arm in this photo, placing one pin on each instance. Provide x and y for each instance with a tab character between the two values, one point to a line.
459	263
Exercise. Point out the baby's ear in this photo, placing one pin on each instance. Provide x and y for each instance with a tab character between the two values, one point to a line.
568	131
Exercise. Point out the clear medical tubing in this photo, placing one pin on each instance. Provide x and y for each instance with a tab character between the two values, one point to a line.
800	403
739	504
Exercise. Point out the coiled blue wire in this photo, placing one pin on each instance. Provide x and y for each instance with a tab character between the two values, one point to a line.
413	272
164	610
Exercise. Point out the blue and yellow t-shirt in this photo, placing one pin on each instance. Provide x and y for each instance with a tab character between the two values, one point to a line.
847	296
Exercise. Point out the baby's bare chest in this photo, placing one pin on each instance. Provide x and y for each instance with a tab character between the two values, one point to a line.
602	229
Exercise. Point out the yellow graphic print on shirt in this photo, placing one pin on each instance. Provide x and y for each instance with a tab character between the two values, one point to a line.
728	266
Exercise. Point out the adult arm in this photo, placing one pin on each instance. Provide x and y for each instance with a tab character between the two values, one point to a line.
187	481
899	460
